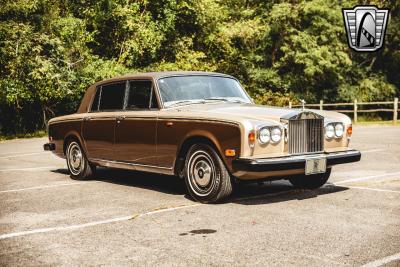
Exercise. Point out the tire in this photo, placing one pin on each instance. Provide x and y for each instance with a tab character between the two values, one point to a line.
78	165
206	177
313	181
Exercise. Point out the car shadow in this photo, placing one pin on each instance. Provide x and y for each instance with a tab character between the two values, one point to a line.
278	191
162	183
244	194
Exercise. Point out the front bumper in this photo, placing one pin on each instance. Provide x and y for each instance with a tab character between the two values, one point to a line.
247	168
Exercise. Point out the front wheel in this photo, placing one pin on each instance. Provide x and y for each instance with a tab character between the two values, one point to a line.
310	181
78	165
206	176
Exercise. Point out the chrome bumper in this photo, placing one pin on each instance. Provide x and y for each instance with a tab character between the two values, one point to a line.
247	168
49	147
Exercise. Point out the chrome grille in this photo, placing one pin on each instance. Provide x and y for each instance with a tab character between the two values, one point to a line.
305	136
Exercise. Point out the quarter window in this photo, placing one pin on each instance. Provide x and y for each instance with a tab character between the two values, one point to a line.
112	96
141	95
95	103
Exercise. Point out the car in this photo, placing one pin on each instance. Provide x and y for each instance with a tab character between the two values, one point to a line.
202	127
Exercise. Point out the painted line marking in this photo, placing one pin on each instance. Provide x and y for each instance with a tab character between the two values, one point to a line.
84	225
374	189
23	155
367	178
32	168
383	261
46	186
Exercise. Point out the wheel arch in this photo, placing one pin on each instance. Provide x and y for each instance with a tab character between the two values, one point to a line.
72	136
188	141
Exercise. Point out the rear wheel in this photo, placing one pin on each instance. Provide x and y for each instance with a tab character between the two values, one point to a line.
78	165
206	176
310	181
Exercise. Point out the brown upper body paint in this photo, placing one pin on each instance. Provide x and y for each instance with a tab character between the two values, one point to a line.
159	137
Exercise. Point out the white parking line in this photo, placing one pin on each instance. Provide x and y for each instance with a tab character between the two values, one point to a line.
32	168
46	186
374	189
367	178
383	261
23	155
84	225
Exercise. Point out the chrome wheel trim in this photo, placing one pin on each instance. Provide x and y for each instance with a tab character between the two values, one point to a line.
75	158
201	173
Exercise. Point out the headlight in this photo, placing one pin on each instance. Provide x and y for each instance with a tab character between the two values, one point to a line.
264	135
276	134
329	131
339	130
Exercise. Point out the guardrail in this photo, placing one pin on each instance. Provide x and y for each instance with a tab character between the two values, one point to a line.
355	105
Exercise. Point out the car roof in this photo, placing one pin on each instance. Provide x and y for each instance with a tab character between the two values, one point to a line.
162	74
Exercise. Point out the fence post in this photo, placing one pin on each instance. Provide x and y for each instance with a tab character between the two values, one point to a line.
355	111
290	104
321	104
395	110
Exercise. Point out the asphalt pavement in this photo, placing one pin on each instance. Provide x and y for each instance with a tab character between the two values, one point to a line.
126	218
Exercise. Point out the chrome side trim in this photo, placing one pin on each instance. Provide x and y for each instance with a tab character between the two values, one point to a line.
132	166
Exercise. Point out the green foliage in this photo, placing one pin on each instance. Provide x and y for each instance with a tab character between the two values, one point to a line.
52	50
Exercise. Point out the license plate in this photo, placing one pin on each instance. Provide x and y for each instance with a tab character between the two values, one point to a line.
315	165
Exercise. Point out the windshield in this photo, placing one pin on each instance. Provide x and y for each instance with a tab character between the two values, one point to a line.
198	89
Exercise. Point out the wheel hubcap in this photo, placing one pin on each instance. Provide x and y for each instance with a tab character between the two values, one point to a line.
201	173
75	158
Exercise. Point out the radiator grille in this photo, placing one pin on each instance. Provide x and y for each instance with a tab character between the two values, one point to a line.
305	135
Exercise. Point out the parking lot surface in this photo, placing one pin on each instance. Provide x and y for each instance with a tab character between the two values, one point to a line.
138	219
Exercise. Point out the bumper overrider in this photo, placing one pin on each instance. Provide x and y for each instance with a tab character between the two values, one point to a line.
249	168
49	147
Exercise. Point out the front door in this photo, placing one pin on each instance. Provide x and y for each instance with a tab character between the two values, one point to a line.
135	131
99	124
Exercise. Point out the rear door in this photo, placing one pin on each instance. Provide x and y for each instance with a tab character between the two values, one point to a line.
135	131
99	125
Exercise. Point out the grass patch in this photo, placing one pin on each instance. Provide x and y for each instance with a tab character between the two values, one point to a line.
27	135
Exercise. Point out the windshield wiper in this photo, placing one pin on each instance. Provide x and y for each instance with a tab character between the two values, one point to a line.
185	102
225	99
201	101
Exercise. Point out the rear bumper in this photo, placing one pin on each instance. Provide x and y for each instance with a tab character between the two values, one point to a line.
49	147
246	168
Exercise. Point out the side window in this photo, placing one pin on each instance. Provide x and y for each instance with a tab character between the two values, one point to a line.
112	96
95	103
141	95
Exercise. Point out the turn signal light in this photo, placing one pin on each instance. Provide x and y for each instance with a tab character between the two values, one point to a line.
349	130
230	152
252	138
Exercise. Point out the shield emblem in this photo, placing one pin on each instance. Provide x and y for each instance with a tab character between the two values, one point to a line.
365	27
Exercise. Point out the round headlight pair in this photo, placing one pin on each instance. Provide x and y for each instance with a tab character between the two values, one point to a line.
334	130
272	134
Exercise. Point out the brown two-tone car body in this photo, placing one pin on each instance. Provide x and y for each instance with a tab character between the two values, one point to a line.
183	123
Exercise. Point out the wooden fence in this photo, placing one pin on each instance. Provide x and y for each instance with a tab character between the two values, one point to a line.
355	107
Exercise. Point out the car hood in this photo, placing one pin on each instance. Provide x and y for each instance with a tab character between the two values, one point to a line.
235	111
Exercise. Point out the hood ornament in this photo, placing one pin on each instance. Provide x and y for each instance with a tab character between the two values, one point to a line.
303	104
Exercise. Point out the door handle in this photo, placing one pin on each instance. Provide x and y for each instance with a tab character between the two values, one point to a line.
169	123
87	118
120	118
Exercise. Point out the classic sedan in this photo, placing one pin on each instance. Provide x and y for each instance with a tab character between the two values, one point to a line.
202	127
